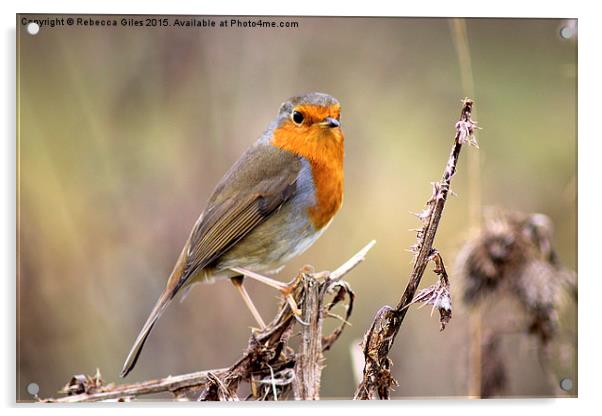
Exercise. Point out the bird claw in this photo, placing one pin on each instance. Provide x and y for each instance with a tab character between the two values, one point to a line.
295	309
287	291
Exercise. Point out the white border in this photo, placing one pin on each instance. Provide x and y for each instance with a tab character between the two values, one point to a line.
590	137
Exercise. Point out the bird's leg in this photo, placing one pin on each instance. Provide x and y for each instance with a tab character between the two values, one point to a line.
237	282
285	289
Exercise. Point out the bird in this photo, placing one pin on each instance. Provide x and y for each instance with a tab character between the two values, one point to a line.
274	202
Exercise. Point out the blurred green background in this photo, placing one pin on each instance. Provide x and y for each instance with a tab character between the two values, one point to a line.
124	132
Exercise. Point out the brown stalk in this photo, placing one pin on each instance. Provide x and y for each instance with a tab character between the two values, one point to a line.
377	379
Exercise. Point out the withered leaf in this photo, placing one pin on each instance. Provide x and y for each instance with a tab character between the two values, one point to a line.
439	296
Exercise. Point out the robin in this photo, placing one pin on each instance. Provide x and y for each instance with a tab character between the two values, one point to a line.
271	206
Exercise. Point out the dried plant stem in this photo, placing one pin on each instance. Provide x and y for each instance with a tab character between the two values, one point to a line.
377	380
269	365
460	38
308	368
125	391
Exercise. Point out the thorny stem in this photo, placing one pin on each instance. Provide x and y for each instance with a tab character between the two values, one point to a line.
377	380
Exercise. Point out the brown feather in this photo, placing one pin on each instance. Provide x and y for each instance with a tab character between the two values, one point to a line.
226	221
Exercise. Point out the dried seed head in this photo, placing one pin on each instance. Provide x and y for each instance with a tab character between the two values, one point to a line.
486	260
514	254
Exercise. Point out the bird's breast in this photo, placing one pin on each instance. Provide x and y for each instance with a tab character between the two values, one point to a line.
323	150
327	180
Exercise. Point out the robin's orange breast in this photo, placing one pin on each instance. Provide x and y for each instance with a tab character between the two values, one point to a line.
328	182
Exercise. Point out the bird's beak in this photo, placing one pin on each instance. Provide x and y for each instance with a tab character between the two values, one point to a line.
330	123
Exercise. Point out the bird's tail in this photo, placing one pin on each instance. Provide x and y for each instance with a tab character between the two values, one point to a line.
162	303
174	284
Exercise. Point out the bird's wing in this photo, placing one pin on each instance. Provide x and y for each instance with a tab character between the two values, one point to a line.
261	181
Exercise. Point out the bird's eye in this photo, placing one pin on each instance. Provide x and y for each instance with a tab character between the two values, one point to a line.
297	117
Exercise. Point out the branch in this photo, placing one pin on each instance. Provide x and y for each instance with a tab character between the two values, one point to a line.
378	341
352	262
269	365
308	368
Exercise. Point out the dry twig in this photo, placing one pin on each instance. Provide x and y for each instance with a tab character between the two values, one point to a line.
377	379
269	365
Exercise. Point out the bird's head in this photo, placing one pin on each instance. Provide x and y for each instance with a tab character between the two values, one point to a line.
310	126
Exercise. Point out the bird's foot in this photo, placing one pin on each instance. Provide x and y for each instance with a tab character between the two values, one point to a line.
287	289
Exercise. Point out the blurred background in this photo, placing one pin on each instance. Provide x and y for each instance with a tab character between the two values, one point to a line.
124	132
